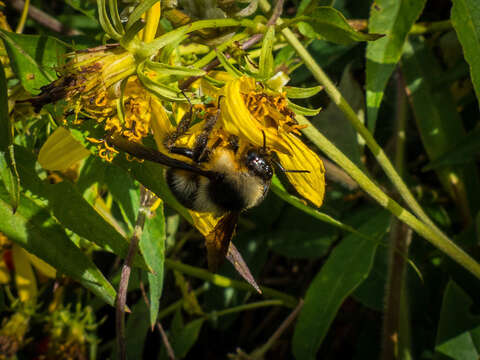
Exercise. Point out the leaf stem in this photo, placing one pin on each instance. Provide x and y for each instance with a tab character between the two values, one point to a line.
23	17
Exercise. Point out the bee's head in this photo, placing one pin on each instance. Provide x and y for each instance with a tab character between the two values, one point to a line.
258	163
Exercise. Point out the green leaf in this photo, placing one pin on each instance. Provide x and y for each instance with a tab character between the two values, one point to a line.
346	268
137	329
105	21
139	11
9	176
466	22
302	93
232	70
265	65
8	169
280	191
164	92
71	209
300	110
183	337
463	152
458	334
169	73
6	126
439	123
34	229
152	246
327	23
394	19
309	238
336	127
33	58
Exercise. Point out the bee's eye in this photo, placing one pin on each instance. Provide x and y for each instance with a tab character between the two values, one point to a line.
258	165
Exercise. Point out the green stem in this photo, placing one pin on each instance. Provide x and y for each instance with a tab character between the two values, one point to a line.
429	27
246	307
144	51
223	281
437	239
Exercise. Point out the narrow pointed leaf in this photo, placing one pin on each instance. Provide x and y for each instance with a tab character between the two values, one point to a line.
346	268
265	64
466	21
394	19
36	231
152	246
33	58
327	23
302	93
71	209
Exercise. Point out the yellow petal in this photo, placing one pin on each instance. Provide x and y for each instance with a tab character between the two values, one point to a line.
61	151
310	185
24	276
160	123
4	272
204	222
237	119
42	266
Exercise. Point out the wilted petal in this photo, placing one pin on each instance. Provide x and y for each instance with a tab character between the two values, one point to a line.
310	185
42	266
61	151
24	276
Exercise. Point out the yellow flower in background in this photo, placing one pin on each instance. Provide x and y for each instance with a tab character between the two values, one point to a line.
21	262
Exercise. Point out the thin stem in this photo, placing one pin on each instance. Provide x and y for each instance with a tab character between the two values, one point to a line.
395	337
121	300
223	281
245	307
170	352
23	17
44	19
260	352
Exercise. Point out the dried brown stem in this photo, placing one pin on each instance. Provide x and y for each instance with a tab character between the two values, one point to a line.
121	299
44	19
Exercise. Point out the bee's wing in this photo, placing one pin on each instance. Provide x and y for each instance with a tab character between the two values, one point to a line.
142	152
218	241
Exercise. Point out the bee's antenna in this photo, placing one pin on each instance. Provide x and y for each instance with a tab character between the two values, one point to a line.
264	148
186	97
219	98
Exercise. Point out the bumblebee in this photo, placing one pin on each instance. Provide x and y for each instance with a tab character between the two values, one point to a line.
222	179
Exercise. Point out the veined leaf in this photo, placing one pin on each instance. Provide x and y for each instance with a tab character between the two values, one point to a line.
152	246
327	23
466	21
394	19
36	231
345	269
33	58
458	331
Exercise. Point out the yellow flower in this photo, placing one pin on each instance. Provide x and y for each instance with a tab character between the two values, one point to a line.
263	119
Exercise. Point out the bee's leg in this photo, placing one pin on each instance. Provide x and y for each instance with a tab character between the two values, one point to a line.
200	149
181	129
